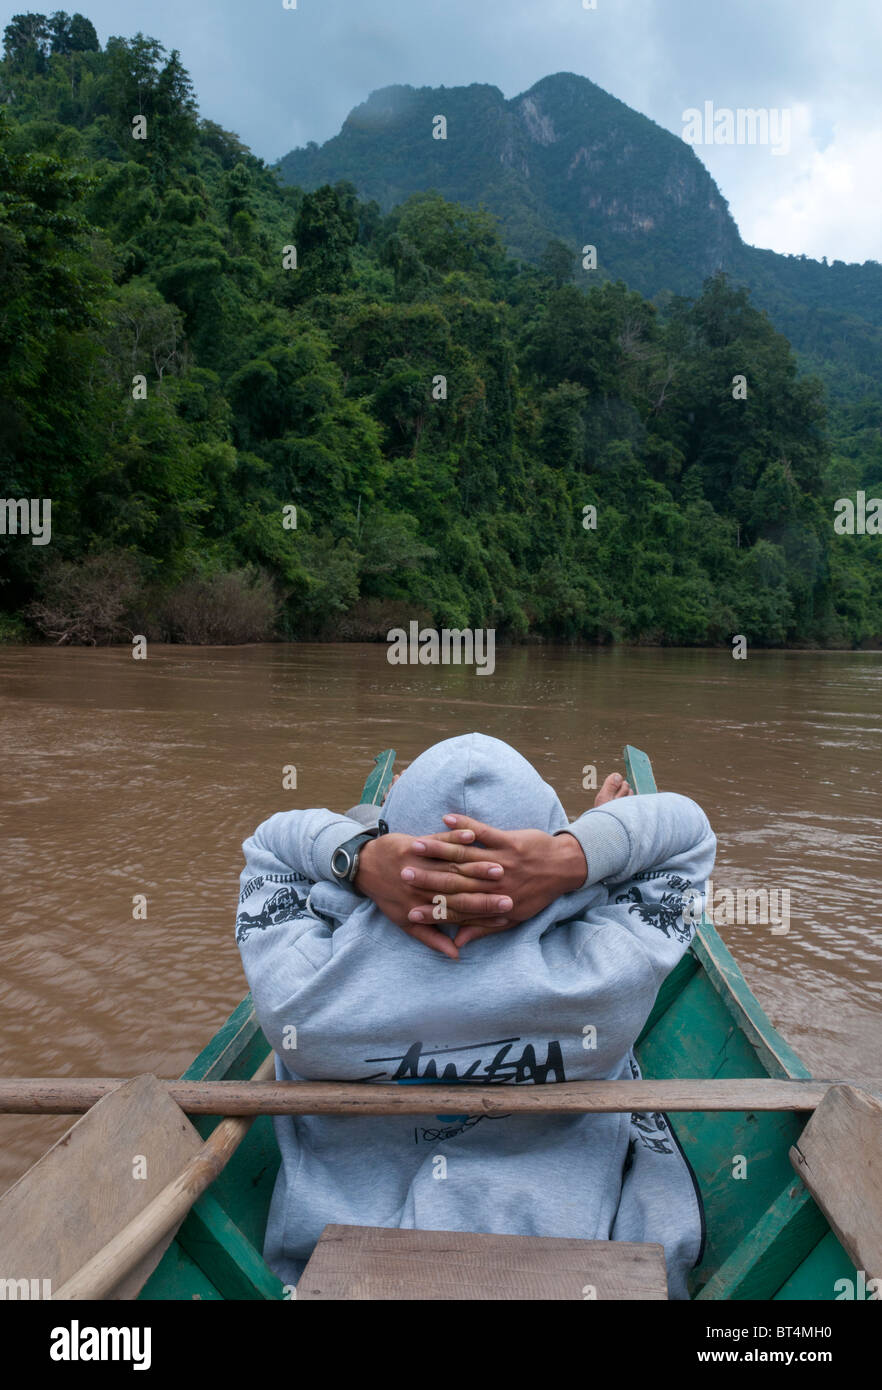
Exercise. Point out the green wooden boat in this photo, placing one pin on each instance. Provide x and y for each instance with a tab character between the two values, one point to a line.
766	1237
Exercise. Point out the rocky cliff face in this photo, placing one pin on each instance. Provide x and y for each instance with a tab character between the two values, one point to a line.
616	179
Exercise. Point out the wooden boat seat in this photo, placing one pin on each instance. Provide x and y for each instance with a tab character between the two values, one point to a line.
374	1262
839	1158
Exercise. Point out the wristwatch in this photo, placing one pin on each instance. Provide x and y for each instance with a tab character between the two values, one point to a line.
344	861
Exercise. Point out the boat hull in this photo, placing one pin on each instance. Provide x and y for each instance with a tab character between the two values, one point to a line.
766	1237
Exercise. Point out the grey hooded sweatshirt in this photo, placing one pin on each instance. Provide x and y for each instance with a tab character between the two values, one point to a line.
343	994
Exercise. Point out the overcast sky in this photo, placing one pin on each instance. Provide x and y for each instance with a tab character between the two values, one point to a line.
280	77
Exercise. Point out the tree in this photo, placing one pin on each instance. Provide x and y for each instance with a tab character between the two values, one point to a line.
52	281
448	236
87	602
324	234
139	83
562	429
72	34
558	261
228	147
26	42
82	36
145	336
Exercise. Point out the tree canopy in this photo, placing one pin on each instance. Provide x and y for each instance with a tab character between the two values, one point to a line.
399	421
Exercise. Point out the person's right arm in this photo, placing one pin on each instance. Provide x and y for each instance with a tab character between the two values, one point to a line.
638	834
608	844
659	852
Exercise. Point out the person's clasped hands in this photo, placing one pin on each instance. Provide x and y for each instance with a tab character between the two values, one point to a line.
473	876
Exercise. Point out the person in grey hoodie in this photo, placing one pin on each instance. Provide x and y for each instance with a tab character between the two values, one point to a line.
343	993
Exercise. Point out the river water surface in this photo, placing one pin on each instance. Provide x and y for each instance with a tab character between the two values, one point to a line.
126	777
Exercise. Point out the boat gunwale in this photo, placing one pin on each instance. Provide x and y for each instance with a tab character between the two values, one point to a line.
713	956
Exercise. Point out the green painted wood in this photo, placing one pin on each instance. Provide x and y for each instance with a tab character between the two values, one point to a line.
697	1037
671	988
378	782
816	1277
245	1186
241	1194
176	1278
787	1231
638	771
778	1057
710	1024
697	1029
225	1256
715	957
220	1055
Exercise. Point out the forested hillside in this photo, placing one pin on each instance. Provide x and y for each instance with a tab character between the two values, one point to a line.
568	160
442	417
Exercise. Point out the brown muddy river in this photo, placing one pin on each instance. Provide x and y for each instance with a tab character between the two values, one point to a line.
125	777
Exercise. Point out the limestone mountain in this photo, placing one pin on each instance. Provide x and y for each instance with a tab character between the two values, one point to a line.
566	160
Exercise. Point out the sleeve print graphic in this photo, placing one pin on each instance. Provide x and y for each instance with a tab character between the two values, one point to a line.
652	1132
285	904
667	914
260	879
649	1130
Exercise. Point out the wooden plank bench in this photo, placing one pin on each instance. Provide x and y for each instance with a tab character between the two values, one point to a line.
374	1262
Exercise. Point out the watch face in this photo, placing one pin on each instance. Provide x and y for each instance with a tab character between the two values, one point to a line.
341	863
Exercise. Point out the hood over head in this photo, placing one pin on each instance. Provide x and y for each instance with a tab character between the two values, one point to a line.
472	775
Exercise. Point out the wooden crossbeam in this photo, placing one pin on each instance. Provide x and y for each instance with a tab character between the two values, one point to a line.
70	1096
